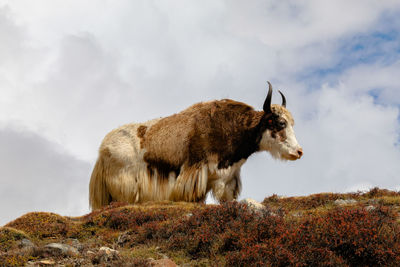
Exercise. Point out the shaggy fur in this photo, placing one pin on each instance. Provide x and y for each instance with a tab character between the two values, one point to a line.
186	155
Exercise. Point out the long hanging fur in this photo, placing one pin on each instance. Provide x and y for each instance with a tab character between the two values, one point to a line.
98	193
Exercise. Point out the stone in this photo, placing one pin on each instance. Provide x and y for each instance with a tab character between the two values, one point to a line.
61	249
106	254
253	204
343	202
27	247
90	253
163	263
26	243
75	243
109	251
297	214
46	262
370	207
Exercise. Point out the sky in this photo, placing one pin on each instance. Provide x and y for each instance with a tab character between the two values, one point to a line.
71	71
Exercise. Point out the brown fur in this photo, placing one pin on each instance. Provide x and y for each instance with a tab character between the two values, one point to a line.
141	131
225	128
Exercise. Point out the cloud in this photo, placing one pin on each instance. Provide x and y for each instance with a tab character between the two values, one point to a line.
378	80
37	175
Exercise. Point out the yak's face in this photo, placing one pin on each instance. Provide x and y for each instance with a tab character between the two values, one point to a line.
279	138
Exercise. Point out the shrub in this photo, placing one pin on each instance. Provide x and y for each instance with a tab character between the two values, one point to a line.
377	192
360	237
198	233
42	224
341	237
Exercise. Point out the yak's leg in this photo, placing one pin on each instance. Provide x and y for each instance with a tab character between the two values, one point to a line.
227	188
191	184
233	187
227	185
123	185
218	190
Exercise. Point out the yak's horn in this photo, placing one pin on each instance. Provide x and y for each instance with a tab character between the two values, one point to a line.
267	102
283	99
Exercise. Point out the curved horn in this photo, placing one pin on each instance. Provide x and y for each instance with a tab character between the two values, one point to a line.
283	99
267	103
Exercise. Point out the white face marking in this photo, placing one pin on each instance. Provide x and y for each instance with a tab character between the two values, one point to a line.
283	144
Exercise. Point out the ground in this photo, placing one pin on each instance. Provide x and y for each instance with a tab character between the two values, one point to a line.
354	229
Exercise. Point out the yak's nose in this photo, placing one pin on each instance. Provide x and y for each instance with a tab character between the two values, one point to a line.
300	152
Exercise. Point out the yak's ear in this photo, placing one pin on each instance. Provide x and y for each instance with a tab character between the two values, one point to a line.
267	102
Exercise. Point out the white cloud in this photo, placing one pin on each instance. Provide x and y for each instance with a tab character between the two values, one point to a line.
378	77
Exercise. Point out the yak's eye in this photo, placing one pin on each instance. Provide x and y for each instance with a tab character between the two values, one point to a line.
282	124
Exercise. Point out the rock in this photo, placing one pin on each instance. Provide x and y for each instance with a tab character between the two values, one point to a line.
253	204
163	263
41	263
370	207
46	262
105	254
26	243
109	251
343	202
27	247
90	253
56	249
75	243
298	214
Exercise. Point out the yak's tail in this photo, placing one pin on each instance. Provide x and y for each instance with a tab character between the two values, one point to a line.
98	193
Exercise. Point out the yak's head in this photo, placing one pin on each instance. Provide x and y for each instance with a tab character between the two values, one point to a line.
279	138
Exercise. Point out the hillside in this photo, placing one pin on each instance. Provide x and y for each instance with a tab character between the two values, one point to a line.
355	229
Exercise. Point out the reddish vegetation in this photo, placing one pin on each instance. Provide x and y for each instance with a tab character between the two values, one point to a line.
41	224
302	231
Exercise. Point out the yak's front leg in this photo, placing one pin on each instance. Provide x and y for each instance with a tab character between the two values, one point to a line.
228	189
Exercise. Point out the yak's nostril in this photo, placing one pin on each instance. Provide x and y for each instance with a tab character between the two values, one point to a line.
300	152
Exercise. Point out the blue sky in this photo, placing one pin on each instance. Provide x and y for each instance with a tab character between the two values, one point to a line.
380	44
72	71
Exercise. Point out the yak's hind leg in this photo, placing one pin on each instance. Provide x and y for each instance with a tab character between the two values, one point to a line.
123	186
124	181
191	184
112	180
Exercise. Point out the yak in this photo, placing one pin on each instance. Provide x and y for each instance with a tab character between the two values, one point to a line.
184	156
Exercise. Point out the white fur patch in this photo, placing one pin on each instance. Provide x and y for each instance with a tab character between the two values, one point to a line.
283	150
